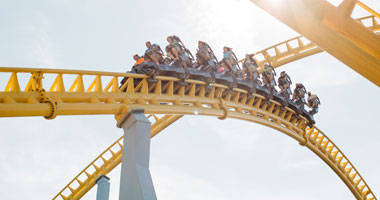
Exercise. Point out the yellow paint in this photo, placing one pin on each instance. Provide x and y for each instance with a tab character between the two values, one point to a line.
170	100
174	103
58	84
13	85
338	34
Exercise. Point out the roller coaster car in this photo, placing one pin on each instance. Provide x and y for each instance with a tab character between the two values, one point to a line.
281	99
301	110
249	85
226	79
151	69
147	68
174	69
308	117
134	70
264	91
295	107
208	77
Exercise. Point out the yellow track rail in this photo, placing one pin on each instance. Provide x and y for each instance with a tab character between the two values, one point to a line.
299	47
165	96
333	30
321	145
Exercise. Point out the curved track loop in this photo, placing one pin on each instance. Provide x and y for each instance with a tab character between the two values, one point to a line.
299	47
321	145
167	97
106	162
172	99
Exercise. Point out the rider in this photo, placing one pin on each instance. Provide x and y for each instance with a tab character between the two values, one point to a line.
177	51
229	60
174	47
250	67
284	83
313	102
153	53
205	56
299	94
202	54
138	60
268	76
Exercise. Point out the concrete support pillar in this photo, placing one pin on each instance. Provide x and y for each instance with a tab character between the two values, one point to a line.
136	181
103	192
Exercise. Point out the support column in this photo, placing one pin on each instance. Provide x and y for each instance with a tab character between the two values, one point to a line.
135	180
103	192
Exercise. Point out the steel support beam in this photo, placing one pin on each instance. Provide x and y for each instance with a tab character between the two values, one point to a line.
136	181
103	192
332	30
365	7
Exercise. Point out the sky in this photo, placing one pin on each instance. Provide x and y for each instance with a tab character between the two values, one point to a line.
197	157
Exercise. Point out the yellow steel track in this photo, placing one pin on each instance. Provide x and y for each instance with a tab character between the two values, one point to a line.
333	30
163	97
299	47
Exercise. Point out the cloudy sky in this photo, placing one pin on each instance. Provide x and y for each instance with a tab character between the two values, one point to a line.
197	157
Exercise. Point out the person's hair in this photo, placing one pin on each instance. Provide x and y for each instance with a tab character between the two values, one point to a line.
251	56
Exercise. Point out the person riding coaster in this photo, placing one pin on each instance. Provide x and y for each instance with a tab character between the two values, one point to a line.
206	63
230	62
313	102
228	69
153	57
140	67
153	67
139	60
180	56
177	51
268	77
174	47
153	53
284	83
206	59
299	95
250	71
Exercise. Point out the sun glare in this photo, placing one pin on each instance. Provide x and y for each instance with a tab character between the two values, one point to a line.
275	1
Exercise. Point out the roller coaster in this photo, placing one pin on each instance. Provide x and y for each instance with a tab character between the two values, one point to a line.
168	96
